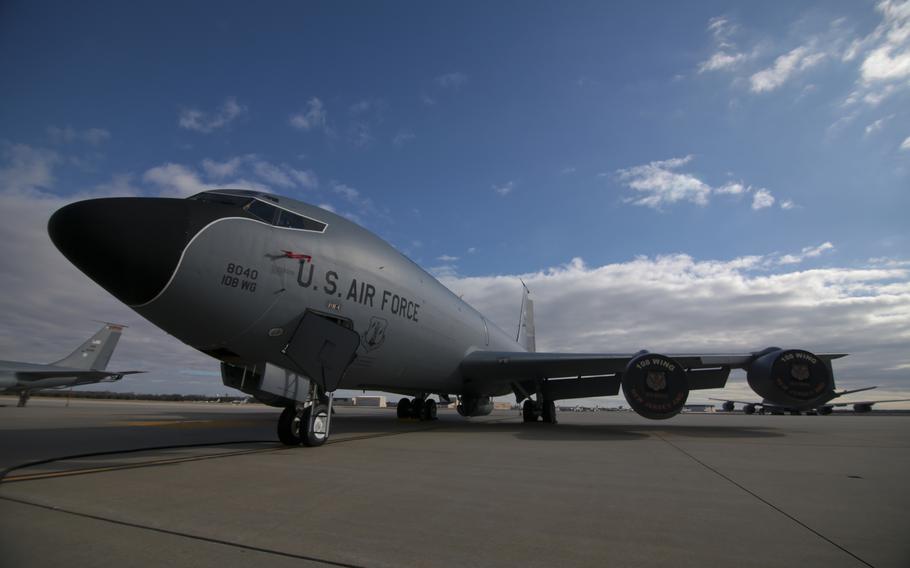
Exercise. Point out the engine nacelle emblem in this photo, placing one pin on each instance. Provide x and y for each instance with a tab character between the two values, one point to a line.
791	376
655	386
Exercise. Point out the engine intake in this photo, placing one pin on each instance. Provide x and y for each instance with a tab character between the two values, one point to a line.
655	386
790	376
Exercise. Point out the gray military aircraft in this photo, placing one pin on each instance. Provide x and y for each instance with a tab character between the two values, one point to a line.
83	366
297	302
821	406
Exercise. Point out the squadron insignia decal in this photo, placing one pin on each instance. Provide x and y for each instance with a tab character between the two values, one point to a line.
374	336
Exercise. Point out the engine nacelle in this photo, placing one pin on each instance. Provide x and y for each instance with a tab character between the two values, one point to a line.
729	406
749	409
790	376
862	408
474	405
655	386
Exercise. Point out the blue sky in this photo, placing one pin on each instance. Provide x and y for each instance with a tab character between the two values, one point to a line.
497	139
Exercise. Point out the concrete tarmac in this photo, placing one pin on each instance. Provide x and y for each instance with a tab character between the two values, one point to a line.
598	489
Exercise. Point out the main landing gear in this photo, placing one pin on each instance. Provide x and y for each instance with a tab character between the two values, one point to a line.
23	398
545	410
308	424
420	407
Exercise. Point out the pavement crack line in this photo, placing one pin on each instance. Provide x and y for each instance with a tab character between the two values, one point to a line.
762	499
183	534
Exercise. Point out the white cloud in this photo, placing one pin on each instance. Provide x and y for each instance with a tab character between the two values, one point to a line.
732	188
221	170
472	250
314	116
787	204
905	145
68	134
807	252
346	191
568	170
446	258
885	56
360	107
725	56
361	134
720	61
505	188
762	199
402	137
206	122
427	100
273	174
785	67
176	180
26	168
661	184
877	125
455	79
305	178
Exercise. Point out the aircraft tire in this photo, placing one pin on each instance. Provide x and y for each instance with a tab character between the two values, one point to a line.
548	413
404	408
529	411
417	408
289	427
429	410
319	434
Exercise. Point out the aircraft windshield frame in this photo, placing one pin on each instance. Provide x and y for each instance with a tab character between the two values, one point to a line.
270	213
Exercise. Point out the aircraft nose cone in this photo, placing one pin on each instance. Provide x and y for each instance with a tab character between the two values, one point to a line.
128	245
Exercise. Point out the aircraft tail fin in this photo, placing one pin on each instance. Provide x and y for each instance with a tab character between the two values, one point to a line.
95	353
526	321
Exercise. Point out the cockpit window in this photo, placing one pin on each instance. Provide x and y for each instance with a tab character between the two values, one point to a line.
235	200
263	210
294	221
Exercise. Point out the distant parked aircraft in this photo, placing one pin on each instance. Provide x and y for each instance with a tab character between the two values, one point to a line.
823	407
81	367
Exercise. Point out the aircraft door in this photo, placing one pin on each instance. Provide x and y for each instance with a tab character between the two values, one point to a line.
322	348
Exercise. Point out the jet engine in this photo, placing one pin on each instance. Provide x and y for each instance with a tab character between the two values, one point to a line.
729	406
860	407
474	405
655	386
789	376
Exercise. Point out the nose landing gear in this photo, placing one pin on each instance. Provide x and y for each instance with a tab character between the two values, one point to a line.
310	424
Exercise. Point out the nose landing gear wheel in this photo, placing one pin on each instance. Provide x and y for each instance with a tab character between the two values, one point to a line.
289	427
314	425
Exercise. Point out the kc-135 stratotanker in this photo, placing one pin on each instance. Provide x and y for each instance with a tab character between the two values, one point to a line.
297	302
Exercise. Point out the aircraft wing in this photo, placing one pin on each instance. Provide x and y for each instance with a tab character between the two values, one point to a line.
705	371
82	377
865	402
